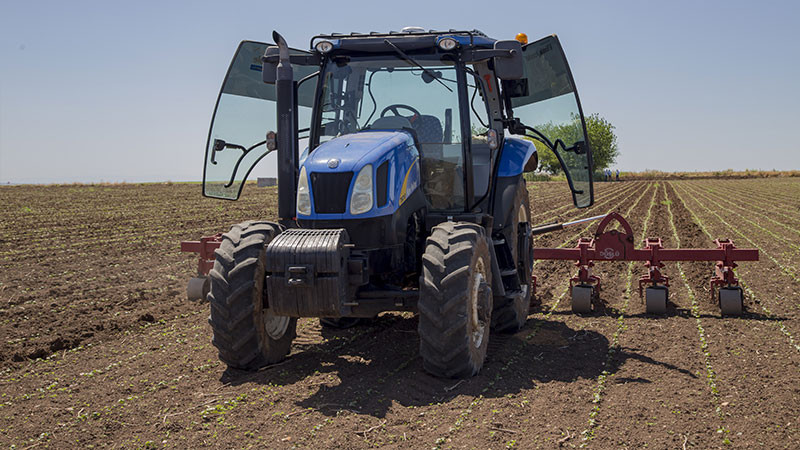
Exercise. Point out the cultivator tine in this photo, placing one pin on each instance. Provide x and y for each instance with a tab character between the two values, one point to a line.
616	245
654	277
198	287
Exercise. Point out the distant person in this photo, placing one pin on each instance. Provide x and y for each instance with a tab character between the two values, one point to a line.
617	174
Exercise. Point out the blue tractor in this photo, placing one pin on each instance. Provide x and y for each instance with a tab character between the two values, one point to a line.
400	162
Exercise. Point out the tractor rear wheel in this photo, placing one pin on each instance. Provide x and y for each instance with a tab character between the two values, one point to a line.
511	312
246	336
455	300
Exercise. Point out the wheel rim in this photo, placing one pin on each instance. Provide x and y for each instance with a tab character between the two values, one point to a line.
522	217
478	311
275	326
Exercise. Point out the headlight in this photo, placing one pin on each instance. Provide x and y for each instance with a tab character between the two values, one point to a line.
303	196
361	198
447	44
324	46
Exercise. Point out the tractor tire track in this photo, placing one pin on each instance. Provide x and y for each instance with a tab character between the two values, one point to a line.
549	338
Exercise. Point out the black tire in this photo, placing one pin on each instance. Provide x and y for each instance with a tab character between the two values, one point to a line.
511	312
245	336
454	331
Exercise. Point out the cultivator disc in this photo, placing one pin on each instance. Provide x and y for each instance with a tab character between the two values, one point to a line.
582	296
730	301
199	286
655	299
618	245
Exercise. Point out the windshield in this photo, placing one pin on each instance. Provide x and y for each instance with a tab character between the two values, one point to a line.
389	92
244	113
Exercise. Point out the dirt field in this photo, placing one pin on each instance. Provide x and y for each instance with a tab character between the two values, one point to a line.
99	347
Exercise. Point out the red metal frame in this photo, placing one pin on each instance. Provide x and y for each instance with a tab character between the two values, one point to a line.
616	245
205	247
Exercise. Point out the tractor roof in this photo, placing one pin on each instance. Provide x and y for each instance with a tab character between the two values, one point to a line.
410	38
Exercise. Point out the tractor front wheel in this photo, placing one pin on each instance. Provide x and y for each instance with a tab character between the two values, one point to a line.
246	336
455	300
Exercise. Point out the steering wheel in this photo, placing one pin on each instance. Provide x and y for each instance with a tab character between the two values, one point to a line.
394	108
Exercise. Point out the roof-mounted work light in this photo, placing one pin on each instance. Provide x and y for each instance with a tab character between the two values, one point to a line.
324	46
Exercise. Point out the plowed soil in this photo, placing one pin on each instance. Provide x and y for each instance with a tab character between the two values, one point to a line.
100	348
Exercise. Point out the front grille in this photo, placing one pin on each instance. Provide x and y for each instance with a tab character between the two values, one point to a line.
330	191
381	182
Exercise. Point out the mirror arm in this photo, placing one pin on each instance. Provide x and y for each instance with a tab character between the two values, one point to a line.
516	127
306	78
482	55
301	60
239	161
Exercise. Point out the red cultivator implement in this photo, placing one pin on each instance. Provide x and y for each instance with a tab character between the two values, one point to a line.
606	245
616	245
199	286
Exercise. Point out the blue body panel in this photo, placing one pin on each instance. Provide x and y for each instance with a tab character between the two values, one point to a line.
516	152
356	150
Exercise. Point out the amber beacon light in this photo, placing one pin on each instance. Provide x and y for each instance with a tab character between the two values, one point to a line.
522	38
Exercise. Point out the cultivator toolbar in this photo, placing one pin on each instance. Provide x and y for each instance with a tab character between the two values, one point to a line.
606	245
618	245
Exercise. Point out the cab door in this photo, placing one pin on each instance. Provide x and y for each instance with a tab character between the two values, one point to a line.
546	101
244	113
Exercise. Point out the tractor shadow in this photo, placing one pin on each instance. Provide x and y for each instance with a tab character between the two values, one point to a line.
370	368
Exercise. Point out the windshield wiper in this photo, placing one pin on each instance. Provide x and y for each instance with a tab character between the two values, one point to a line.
408	58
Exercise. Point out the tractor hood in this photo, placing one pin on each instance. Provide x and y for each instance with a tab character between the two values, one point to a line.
351	151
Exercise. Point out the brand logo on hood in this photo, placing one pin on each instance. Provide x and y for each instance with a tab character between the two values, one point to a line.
333	163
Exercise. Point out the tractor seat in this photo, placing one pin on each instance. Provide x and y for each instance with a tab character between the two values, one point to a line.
430	134
428	129
391	123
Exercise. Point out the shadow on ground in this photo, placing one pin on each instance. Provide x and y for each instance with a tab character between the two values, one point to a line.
368	368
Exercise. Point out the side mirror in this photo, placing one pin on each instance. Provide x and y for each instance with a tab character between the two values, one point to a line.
269	70
510	65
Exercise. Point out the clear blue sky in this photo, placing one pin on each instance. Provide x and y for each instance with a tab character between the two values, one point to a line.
110	90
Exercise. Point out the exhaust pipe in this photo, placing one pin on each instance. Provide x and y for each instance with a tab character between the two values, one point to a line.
286	96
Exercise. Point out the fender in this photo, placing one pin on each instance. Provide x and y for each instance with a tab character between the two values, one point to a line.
517	153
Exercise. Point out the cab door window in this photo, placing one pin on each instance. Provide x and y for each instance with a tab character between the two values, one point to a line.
547	101
245	112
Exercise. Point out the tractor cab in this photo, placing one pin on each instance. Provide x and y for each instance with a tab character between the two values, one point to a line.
400	159
457	95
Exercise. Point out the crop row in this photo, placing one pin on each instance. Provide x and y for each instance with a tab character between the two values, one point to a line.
762	302
787	269
614	347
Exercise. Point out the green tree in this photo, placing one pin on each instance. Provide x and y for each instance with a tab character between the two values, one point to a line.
601	138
